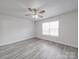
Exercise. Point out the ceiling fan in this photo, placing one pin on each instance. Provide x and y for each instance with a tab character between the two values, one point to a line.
35	13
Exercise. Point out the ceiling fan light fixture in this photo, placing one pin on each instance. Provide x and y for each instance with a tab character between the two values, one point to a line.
35	16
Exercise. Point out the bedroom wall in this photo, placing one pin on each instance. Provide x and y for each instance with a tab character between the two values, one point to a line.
13	29
67	29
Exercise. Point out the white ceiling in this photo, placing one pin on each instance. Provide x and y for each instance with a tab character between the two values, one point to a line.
18	8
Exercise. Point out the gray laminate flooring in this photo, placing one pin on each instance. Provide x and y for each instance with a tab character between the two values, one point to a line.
37	49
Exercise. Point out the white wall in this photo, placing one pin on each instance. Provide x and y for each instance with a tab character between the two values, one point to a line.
67	29
14	29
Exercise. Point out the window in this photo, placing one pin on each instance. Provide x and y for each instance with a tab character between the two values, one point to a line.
50	28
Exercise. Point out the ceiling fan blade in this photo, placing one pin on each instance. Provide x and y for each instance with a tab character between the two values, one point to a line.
40	16
43	11
29	9
27	14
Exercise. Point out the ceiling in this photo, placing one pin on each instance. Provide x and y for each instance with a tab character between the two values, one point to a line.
18	8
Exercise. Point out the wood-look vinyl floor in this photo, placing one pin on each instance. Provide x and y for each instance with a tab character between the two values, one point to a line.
37	49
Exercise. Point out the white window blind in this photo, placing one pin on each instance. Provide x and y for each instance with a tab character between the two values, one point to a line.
50	28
